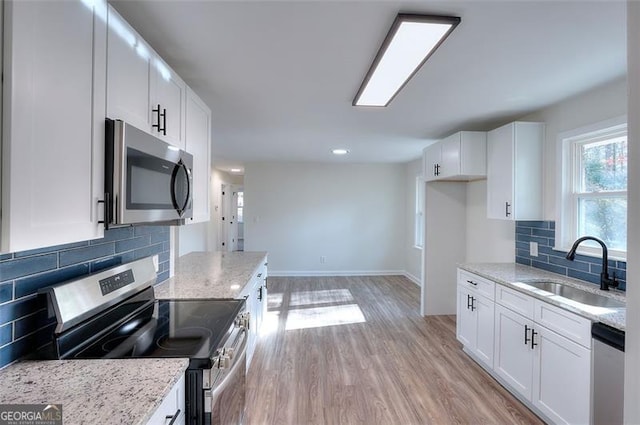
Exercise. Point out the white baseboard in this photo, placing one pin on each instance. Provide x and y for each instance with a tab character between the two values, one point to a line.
285	273
413	279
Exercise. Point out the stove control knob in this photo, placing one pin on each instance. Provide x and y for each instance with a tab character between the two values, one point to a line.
242	321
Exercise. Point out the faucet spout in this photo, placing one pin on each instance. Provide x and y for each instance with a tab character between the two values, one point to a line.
605	280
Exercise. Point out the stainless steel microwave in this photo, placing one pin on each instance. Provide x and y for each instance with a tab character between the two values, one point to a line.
146	179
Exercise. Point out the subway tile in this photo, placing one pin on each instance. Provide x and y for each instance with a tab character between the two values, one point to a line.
6	292
575	265
550	267
4	257
32	323
147	251
166	246
523	230
105	263
47	249
552	225
551	242
522	253
521	260
16	309
164	256
131	244
24	346
26	266
537	224
551	252
145	230
6	334
543	233
159	237
162	277
527	238
541	258
589	277
116	234
82	255
30	285
622	265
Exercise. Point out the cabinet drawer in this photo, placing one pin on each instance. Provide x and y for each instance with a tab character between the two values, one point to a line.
516	301
563	322
172	405
476	283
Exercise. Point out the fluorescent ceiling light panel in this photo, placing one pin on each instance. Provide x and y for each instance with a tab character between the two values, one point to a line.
409	43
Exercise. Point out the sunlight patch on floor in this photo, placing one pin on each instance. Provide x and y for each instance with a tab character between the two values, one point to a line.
318	317
322	296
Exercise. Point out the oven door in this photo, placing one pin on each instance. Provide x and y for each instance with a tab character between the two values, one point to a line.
228	393
151	180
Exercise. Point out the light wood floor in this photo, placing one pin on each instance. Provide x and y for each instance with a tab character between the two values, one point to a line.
388	366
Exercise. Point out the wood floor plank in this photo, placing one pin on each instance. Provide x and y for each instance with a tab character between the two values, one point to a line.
355	350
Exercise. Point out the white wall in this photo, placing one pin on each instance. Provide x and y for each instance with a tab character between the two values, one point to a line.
602	103
488	241
353	215
413	255
192	237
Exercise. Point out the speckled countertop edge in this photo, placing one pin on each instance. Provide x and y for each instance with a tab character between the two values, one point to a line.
211	275
104	391
514	275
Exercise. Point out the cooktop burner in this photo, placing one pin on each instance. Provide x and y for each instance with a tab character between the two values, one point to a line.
192	328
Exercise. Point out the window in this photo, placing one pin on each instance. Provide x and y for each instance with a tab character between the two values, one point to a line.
419	217
595	198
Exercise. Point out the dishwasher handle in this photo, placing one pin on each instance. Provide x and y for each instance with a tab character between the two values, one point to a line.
607	335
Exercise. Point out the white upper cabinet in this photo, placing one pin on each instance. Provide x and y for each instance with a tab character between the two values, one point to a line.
128	74
169	95
461	156
198	143
53	125
514	171
141	89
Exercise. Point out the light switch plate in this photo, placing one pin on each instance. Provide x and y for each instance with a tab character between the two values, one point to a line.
533	249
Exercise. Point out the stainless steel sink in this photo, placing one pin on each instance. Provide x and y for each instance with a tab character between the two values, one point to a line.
577	295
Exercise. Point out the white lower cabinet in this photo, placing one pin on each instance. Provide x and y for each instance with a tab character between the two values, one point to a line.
548	368
171	410
255	294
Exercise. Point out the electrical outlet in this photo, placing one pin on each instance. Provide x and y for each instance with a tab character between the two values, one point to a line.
323	259
533	249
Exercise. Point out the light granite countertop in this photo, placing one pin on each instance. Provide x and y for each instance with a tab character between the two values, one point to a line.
126	391
211	275
517	275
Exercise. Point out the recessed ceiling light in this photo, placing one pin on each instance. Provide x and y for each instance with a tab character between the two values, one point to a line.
340	151
409	43
235	170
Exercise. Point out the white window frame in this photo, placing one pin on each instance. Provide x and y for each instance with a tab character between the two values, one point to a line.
418	226
568	164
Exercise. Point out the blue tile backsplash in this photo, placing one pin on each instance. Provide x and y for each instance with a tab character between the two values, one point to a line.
24	325
583	268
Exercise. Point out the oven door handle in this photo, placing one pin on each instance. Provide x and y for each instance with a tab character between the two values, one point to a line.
220	387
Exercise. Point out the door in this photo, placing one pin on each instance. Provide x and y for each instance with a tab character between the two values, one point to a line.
129	67
169	97
513	360
466	319
500	173
562	371
53	131
198	144
484	311
228	222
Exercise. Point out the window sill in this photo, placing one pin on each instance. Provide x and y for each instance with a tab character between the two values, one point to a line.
614	257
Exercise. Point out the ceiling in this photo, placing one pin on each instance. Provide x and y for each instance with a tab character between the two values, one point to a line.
280	76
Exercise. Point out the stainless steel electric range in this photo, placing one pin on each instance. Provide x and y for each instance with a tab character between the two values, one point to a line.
114	314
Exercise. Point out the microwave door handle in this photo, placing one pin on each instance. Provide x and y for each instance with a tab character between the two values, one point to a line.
180	208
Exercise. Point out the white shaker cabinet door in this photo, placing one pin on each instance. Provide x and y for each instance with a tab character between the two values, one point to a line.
129	62
500	173
53	131
169	94
484	310
513	354
562	388
465	320
198	144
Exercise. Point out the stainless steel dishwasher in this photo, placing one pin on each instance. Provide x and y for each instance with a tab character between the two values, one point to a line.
608	374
